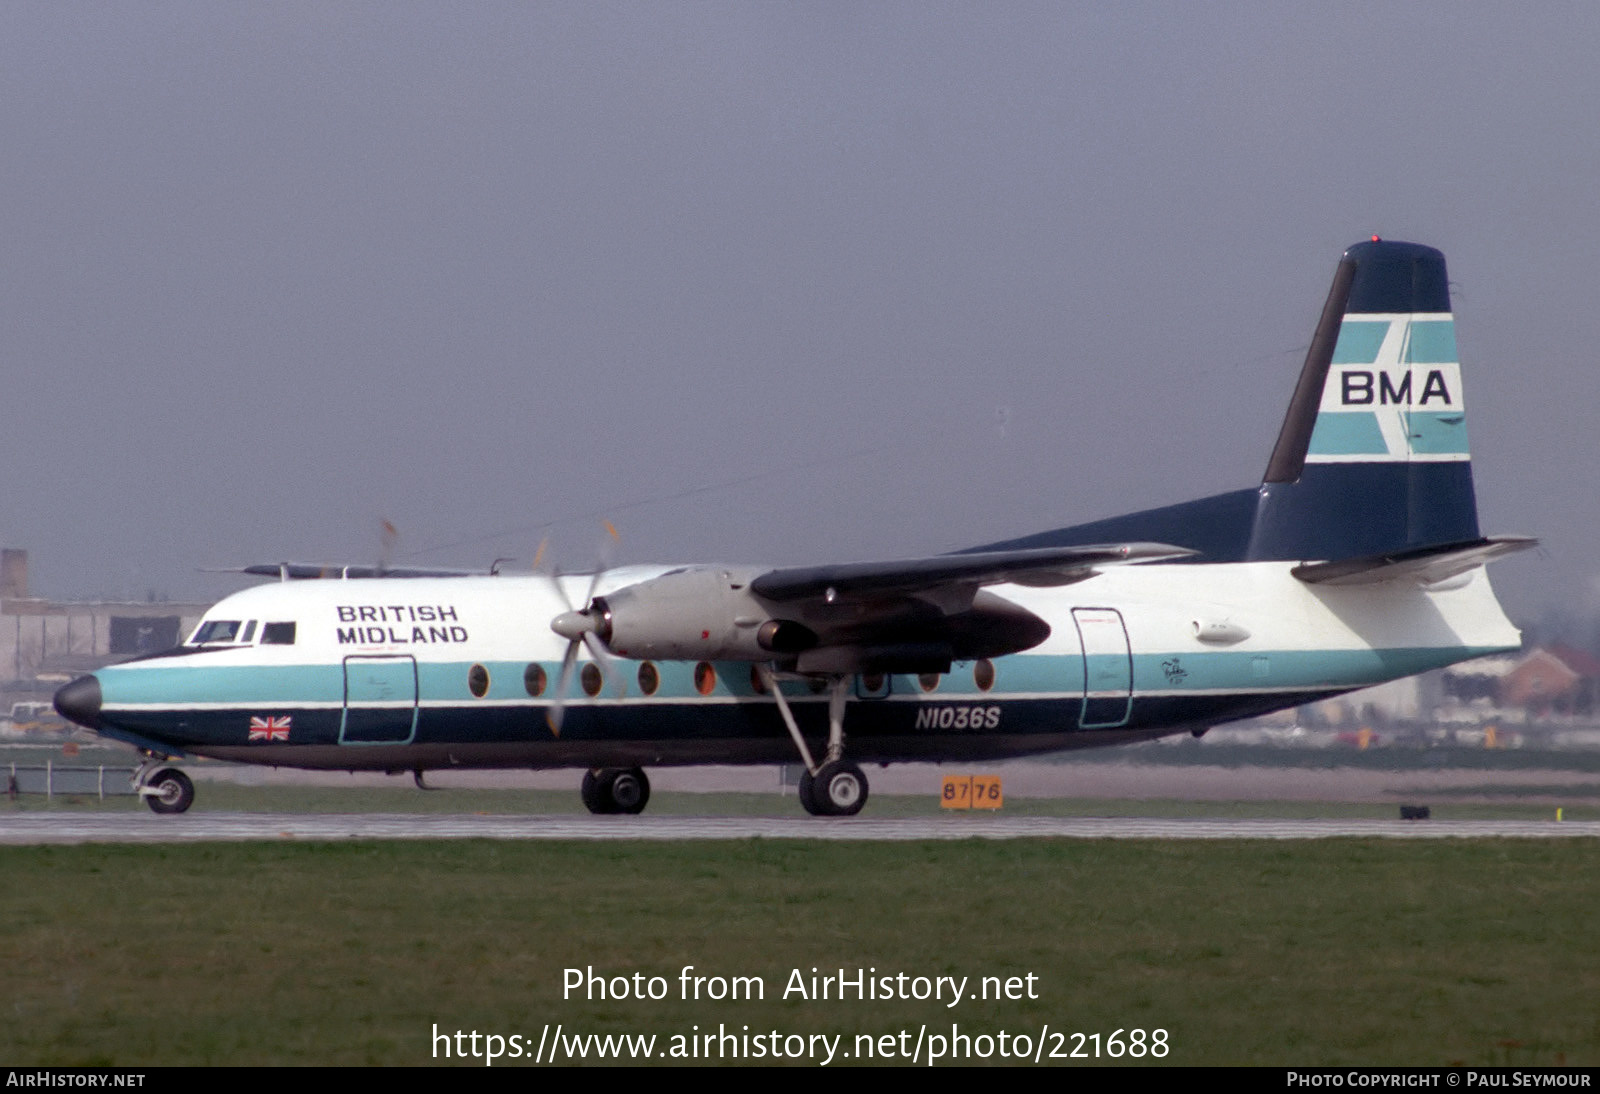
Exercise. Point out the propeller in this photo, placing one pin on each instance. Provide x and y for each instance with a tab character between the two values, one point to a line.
388	539
588	626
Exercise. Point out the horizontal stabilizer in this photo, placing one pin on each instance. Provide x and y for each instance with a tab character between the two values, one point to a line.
1423	564
1041	567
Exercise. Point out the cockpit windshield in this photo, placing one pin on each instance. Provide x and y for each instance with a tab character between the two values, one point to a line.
215	630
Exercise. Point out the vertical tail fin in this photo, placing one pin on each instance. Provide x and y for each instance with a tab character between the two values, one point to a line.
1372	457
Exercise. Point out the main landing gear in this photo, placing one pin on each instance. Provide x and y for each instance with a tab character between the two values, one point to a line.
836	787
610	790
164	789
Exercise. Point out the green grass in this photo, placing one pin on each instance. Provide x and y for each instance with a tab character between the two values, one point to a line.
1323	952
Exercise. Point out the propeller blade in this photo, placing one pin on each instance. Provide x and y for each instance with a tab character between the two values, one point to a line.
579	627
605	554
557	712
607	663
594	583
388	537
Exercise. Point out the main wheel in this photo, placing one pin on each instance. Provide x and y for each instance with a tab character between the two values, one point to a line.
610	790
807	801
839	790
174	792
630	791
595	797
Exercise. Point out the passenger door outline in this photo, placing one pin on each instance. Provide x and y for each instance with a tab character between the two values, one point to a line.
380	700
1107	668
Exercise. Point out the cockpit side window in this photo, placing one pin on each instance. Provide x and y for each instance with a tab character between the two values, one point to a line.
215	630
277	634
248	633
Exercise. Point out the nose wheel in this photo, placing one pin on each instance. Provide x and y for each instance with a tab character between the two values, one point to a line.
167	791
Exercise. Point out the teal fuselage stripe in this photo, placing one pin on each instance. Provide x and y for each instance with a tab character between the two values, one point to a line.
263	687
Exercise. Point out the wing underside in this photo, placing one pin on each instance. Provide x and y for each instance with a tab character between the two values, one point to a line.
919	615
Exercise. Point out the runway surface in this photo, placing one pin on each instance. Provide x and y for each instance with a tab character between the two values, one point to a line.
56	828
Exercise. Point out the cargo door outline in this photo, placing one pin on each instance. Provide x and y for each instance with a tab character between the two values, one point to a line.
1107	668
380	700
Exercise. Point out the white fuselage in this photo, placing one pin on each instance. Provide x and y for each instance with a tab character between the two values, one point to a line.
416	673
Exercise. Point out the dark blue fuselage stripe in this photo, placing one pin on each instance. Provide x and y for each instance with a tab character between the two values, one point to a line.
873	730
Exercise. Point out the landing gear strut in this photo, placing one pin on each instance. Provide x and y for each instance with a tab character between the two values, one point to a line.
836	787
610	790
164	789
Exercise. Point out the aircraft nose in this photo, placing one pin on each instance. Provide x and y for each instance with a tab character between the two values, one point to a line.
79	702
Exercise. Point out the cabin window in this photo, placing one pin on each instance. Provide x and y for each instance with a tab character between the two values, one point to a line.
215	630
277	634
535	680
705	678
478	680
592	680
249	631
983	674
649	678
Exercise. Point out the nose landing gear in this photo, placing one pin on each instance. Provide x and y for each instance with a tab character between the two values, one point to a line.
165	790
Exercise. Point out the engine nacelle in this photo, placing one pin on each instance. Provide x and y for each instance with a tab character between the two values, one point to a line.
695	614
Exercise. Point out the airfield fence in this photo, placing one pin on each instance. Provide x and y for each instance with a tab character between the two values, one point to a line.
51	779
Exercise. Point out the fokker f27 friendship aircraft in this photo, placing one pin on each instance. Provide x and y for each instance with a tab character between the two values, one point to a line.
1357	560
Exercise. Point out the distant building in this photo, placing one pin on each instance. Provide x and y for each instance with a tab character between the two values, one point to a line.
1555	681
1469	693
45	643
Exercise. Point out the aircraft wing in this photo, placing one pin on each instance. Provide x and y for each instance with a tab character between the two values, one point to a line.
903	577
307	571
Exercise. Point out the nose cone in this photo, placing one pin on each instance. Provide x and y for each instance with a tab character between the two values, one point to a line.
79	702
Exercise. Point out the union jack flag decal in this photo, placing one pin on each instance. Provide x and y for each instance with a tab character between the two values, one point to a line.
270	729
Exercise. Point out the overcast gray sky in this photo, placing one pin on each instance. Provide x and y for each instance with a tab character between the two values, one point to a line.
917	276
